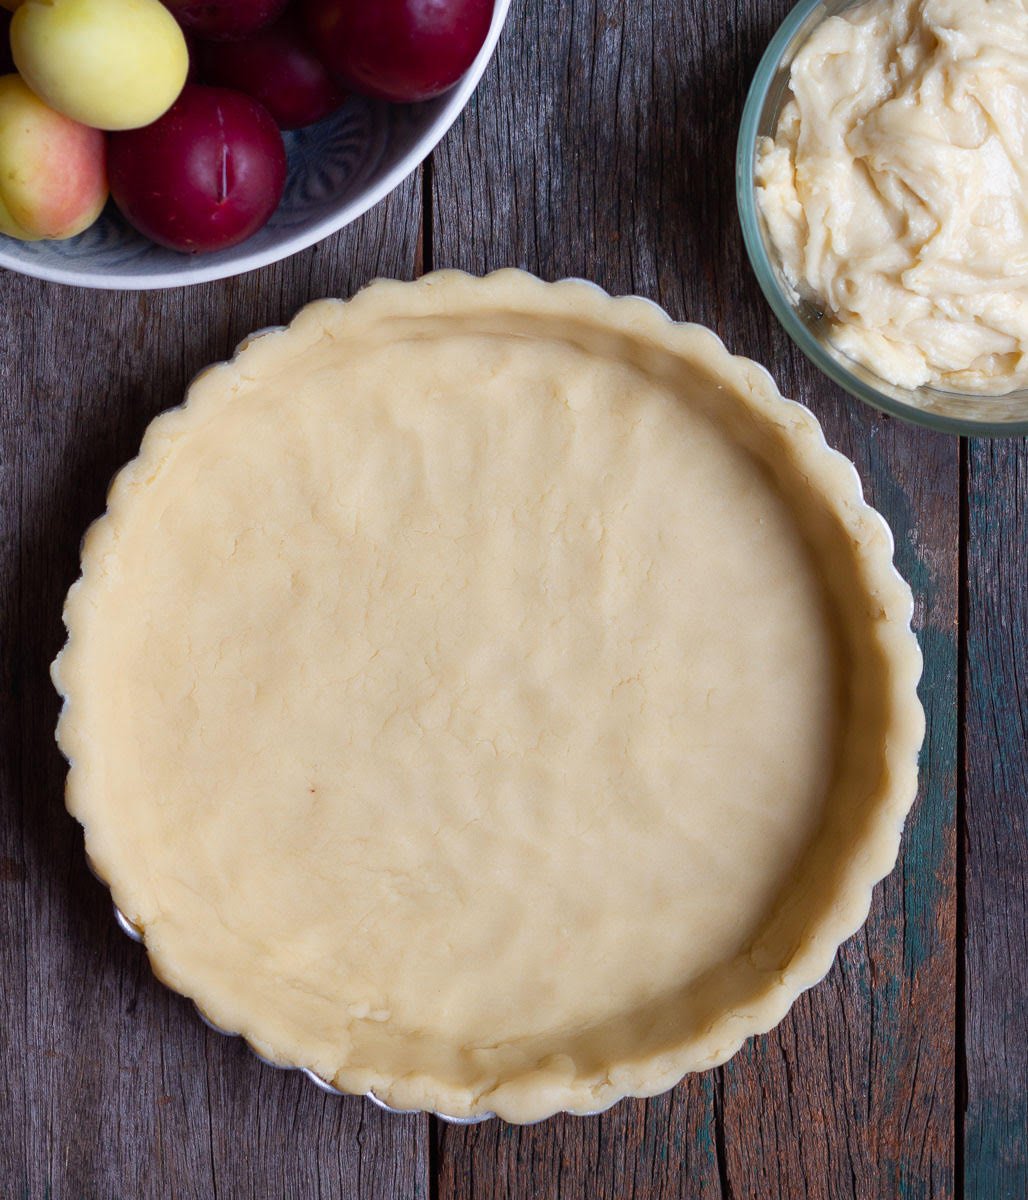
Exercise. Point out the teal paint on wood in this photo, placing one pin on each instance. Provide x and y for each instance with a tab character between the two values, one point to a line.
916	483
915	496
930	835
996	952
928	859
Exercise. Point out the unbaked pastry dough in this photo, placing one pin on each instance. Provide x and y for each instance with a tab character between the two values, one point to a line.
490	694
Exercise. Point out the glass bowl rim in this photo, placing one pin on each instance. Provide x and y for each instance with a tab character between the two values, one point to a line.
757	252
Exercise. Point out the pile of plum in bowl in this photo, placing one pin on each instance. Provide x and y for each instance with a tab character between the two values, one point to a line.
150	144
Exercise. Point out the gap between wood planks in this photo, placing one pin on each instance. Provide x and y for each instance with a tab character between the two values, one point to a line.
422	267
959	1014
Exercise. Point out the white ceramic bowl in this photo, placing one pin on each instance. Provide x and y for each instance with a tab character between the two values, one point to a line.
338	169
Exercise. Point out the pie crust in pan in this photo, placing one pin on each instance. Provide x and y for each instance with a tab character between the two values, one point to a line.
490	695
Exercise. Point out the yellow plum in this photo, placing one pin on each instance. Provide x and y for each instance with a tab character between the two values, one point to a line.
53	175
112	64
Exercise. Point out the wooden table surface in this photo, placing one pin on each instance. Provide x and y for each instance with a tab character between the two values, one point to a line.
600	144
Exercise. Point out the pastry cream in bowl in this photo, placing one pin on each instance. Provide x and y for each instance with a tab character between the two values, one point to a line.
889	177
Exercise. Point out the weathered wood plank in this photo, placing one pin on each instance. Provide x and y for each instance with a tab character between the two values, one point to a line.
860	1079
112	1089
657	1149
996	860
601	145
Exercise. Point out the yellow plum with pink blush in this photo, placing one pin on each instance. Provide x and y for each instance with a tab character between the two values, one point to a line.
53	173
112	64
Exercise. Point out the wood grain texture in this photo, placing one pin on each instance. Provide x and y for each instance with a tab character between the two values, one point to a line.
601	145
996	905
112	1090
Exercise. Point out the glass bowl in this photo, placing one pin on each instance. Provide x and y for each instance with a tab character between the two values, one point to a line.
951	412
